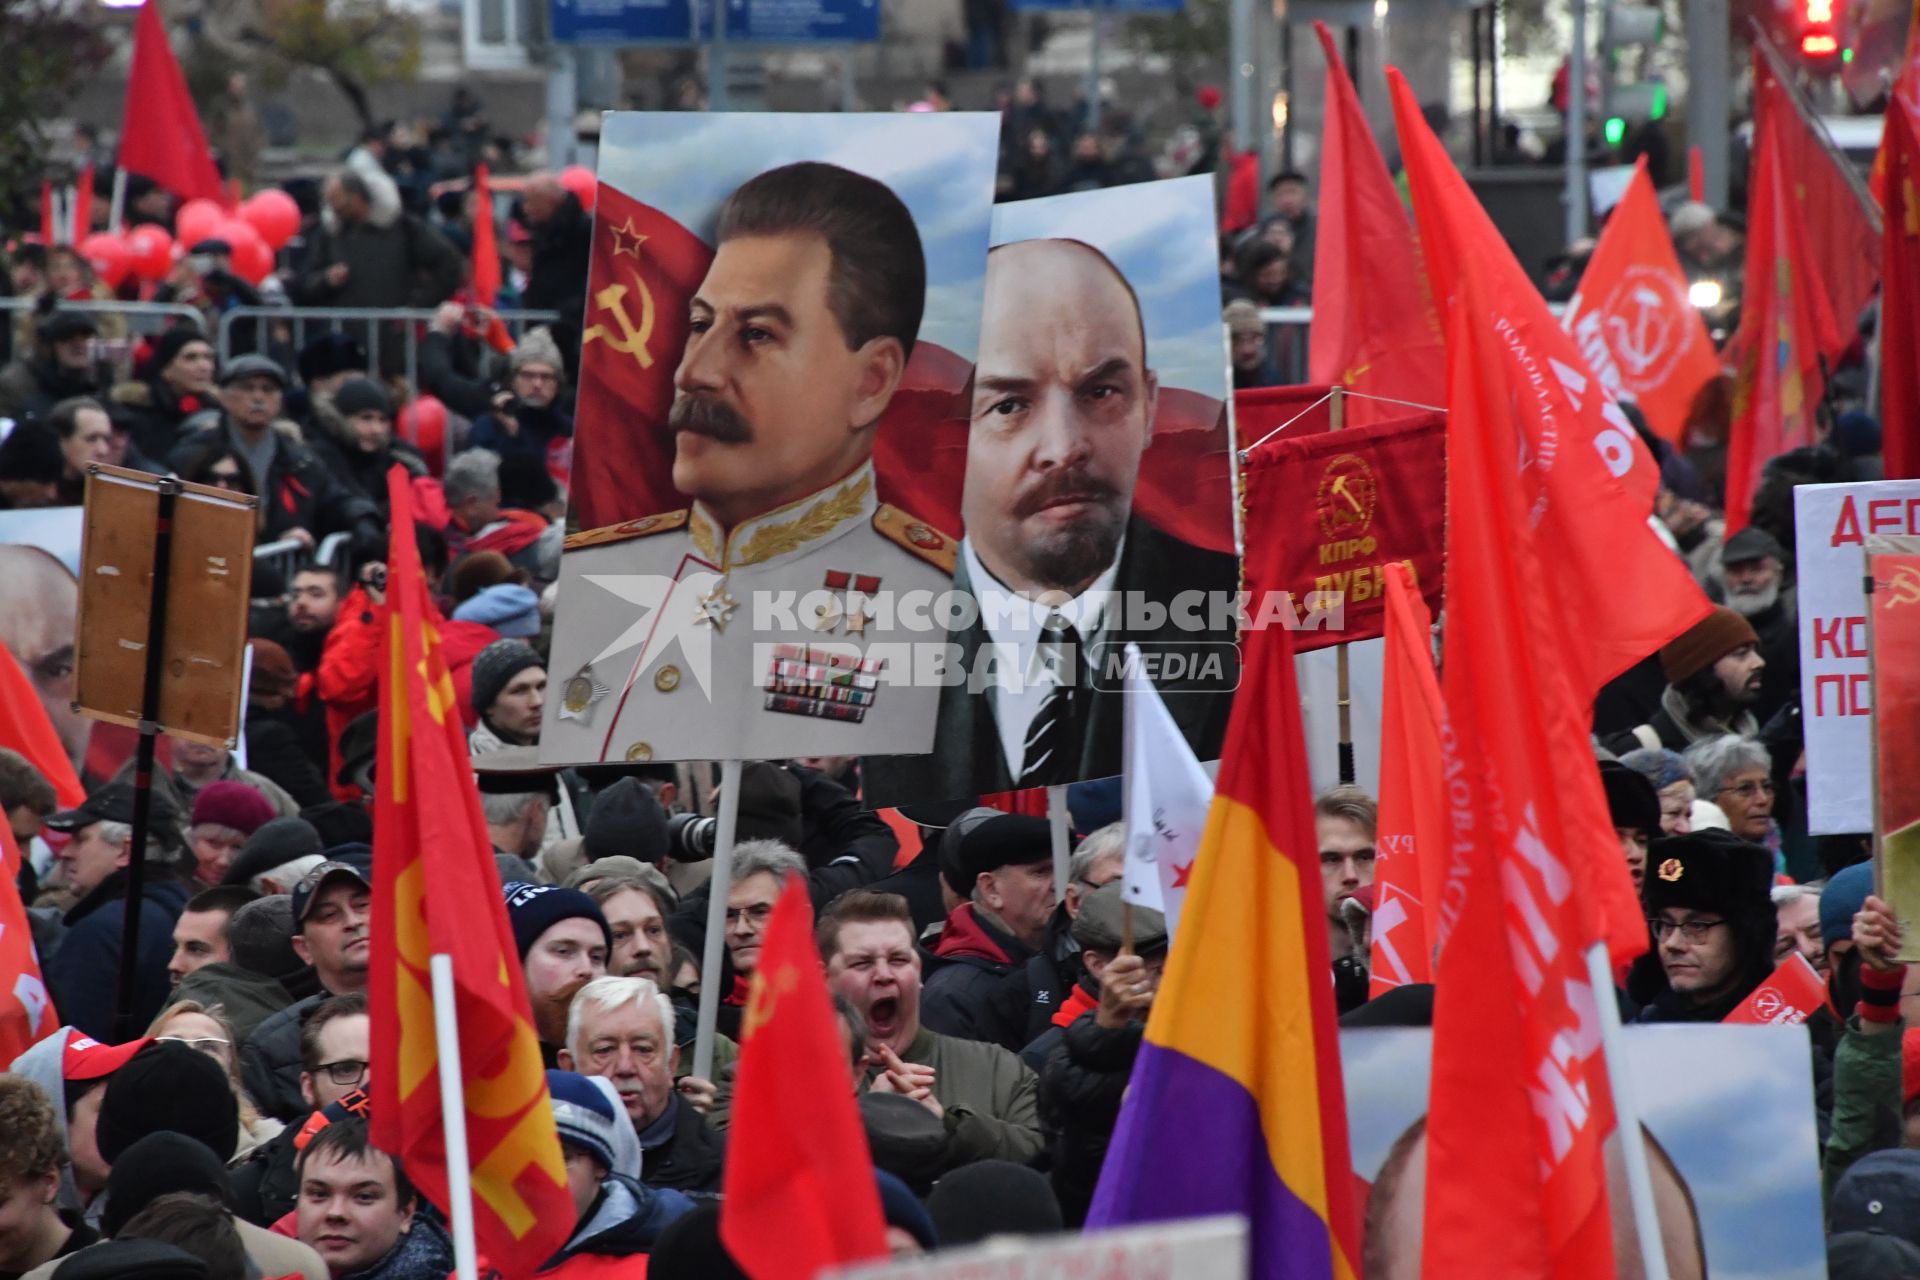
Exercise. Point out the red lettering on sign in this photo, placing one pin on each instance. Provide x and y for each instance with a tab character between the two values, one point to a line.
1846	528
1850	695
1826	635
1857	648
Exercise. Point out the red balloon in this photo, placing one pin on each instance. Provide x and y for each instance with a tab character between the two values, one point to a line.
109	257
579	179
252	260
197	221
274	215
152	250
424	424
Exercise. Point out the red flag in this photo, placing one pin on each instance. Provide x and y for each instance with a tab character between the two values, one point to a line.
1905	97
160	134
1632	317
1374	330
25	727
428	829
23	995
1413	834
1893	635
1784	327
1616	594
485	283
1519	1107
1839	231
800	1192
49	224
1900	297
83	203
1792	993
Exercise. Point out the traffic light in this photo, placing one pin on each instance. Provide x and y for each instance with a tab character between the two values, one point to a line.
1625	28
1819	32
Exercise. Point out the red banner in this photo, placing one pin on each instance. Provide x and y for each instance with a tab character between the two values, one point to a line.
25	1011
1327	512
1894	640
1900	295
1786	999
1407	875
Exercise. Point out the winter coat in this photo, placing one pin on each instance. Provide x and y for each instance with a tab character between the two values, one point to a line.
973	988
403	264
622	1224
366	473
442	360
425	1252
44	1064
30	386
246	998
1867	1101
265	1186
562	250
989	1095
282	748
270	1062
1080	1091
680	1151
298	491
83	974
534	434
155	417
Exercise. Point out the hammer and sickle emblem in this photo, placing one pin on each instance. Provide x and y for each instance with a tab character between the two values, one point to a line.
1905	586
632	339
763	996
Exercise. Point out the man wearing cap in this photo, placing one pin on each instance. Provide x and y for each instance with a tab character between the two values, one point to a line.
616	1216
83	972
1003	871
1102	939
299	496
1754	568
74	1068
331	912
60	366
1714	671
1711	916
564	942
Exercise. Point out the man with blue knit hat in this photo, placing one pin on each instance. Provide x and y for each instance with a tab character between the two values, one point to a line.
616	1216
564	942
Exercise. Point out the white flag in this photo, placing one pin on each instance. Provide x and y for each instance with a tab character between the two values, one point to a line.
1167	795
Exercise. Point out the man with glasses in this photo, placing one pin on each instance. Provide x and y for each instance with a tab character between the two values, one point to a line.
527	416
1710	911
299	497
335	1048
760	871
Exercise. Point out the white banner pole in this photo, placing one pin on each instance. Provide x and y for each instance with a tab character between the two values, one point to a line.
453	1118
718	886
1626	1113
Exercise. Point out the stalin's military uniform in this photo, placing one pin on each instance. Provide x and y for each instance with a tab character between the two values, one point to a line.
674	641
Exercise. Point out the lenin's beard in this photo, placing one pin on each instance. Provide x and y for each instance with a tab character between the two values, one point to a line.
1066	555
714	419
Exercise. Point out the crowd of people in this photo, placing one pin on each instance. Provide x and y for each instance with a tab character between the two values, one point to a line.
991	1017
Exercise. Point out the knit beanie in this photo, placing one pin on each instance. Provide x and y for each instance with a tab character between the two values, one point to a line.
169	345
168	1086
31	451
1631	799
902	1209
272	844
232	804
626	819
1705	643
274	675
769	804
331	352
583	1115
497	664
157	1164
1845	894
992	1198
359	395
533	909
538	347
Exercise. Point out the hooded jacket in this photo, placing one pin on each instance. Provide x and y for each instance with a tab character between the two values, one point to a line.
624	1222
973	988
83	973
363	472
45	1065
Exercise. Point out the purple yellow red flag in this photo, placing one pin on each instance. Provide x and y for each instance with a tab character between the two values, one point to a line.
1236	1104
1413	814
1374	331
1785	326
800	1194
1519	1108
1586	480
428	830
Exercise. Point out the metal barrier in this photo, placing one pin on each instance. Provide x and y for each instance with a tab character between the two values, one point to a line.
138	319
282	556
282	331
1287	336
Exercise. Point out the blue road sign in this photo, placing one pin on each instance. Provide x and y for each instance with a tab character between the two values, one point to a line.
626	22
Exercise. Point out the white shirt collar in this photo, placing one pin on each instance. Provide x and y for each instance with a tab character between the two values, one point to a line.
1013	619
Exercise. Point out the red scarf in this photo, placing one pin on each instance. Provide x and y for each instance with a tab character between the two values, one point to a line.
1077	1003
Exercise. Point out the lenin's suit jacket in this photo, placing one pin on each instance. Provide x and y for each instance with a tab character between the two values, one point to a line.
967	759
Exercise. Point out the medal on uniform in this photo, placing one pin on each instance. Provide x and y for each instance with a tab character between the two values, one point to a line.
579	694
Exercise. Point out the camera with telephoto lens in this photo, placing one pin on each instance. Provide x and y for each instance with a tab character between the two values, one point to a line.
690	837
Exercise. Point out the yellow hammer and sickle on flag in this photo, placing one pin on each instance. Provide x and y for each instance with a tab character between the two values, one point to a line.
399	723
1905	586
764	996
632	339
434	677
419	1054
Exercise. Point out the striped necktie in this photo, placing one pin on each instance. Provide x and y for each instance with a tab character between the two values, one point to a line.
1053	738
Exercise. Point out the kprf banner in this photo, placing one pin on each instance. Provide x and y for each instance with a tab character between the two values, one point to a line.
1895	644
1327	512
1788	997
1831	525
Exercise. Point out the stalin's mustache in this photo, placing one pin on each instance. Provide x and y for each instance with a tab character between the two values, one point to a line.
706	416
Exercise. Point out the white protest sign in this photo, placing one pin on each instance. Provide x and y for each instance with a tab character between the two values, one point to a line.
1831	525
1197	1249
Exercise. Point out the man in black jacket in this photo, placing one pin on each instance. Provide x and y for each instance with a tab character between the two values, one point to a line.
562	249
299	497
60	367
358	261
1004	870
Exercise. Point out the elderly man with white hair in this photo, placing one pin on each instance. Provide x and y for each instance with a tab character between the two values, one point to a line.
621	1028
1797	908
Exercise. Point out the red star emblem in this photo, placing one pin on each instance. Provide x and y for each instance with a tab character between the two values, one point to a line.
1182	872
627	240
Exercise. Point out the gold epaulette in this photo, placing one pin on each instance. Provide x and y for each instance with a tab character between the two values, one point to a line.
917	537
645	525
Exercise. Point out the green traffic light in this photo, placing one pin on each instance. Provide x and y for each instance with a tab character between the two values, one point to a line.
1616	130
1846	55
1660	102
